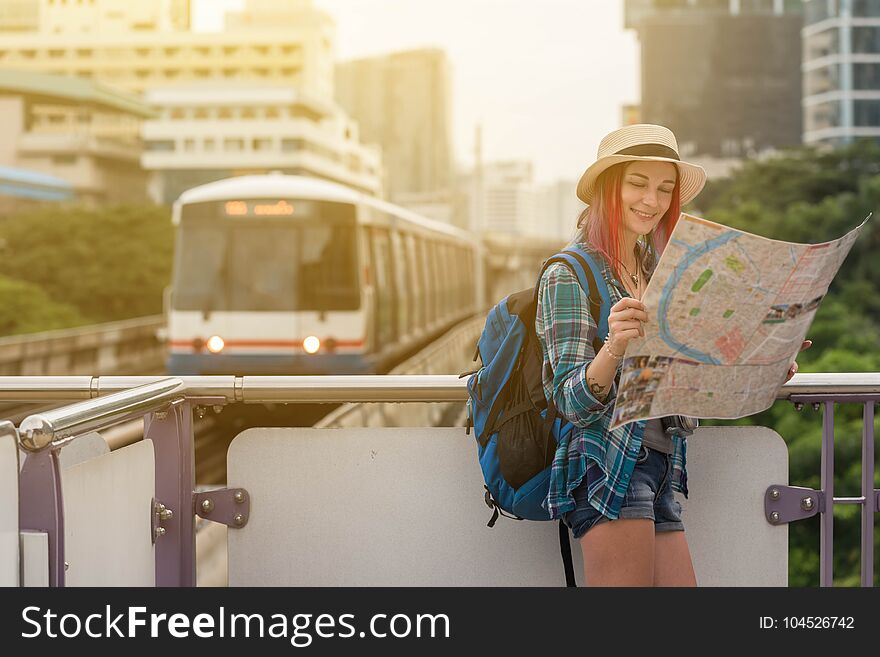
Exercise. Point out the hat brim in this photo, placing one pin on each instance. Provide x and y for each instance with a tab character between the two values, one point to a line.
692	177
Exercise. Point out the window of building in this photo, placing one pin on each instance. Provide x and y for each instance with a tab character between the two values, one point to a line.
64	159
271	113
233	145
28	54
178	113
200	113
292	145
866	39
159	145
224	113
171	52
142	52
56	53
262	144
247	113
229	51
822	80
822	44
866	77
83	52
189	145
822	115
202	72
209	144
866	8
866	113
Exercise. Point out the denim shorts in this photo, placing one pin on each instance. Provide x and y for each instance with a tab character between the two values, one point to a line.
649	496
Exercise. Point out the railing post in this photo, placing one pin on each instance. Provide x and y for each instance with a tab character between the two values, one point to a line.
869	506
40	506
171	431
826	531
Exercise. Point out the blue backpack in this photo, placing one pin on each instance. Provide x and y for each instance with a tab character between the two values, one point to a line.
516	427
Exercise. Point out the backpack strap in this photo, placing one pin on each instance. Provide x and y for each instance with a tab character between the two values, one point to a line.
565	549
589	275
600	298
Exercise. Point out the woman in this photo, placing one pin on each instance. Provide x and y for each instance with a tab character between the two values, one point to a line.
614	489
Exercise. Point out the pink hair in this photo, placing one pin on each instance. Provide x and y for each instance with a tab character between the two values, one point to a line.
602	222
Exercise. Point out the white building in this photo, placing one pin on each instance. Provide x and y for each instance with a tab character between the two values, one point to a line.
144	44
212	131
74	130
841	64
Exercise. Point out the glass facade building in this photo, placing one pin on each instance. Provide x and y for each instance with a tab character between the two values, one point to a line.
841	64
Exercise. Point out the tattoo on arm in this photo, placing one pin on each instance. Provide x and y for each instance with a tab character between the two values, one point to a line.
597	390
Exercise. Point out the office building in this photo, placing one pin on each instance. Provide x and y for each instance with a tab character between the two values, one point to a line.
135	46
402	102
841	70
724	75
212	131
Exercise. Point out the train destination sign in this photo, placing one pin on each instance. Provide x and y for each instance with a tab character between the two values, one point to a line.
260	208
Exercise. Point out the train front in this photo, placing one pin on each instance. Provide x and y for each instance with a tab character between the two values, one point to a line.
266	286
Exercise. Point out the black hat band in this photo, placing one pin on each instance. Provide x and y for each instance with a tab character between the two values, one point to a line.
650	150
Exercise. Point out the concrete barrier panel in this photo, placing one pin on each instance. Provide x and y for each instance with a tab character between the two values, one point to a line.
9	541
107	534
404	507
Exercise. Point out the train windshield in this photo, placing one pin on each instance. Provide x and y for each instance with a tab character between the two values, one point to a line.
272	255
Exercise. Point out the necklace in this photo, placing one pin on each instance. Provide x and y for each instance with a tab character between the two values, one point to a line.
634	277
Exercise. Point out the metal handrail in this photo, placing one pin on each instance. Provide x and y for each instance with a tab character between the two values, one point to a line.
37	432
335	389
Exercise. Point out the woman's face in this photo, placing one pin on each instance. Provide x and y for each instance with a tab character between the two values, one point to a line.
645	194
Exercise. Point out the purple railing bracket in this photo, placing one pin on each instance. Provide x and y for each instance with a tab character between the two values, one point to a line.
171	430
40	506
868	494
228	506
784	504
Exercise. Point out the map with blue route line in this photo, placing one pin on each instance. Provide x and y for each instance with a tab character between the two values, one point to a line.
727	313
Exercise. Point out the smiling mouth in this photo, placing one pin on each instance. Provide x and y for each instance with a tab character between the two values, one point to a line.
642	215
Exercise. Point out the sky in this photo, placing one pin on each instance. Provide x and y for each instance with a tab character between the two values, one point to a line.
546	79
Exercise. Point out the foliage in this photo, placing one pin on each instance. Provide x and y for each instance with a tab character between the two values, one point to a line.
26	308
108	263
813	196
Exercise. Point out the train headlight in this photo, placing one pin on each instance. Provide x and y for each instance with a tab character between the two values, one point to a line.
311	344
215	344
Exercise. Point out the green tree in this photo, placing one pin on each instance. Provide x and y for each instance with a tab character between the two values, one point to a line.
109	263
811	196
26	308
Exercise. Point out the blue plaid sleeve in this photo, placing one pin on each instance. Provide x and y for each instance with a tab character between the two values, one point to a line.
566	330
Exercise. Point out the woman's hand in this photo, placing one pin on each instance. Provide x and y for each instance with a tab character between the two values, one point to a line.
794	366
625	323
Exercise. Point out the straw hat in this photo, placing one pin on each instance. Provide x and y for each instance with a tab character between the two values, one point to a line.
643	142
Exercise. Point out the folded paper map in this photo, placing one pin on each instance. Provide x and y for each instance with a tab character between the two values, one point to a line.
727	313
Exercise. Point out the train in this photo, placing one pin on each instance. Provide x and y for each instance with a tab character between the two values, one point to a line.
286	274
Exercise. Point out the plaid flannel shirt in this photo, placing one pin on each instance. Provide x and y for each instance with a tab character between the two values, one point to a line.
606	458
